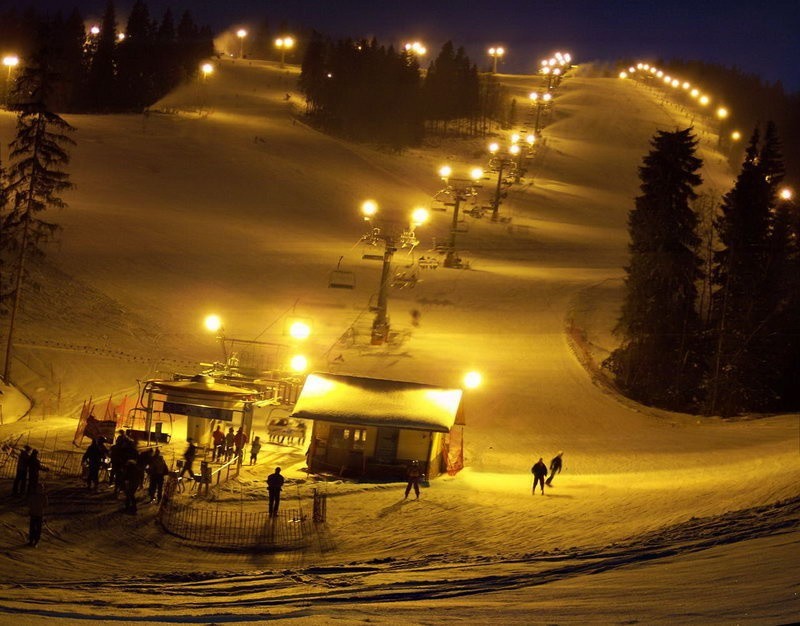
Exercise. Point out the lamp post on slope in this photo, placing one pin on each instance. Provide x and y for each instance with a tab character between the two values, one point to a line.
10	62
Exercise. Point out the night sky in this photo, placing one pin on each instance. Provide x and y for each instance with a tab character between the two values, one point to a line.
759	37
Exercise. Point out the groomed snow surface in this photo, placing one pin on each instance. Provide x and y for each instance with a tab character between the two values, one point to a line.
241	210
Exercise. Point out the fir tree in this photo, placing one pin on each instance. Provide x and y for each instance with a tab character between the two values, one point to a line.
658	360
101	92
35	178
745	306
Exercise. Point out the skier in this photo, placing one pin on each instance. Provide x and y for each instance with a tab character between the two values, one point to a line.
255	448
21	477
539	471
274	486
555	468
413	476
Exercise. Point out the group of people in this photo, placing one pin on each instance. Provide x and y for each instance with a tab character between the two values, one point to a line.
26	479
225	446
539	471
127	468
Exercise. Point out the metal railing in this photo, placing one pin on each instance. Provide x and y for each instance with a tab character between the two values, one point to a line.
220	525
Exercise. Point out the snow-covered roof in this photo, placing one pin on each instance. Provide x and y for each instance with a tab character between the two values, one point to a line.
378	402
201	388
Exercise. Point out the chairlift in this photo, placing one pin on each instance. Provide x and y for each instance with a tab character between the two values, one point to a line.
341	279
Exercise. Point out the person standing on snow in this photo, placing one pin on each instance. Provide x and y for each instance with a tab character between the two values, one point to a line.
255	448
229	437
21	477
412	476
218	439
539	471
93	459
157	470
188	459
555	468
274	485
34	467
132	478
239	441
37	502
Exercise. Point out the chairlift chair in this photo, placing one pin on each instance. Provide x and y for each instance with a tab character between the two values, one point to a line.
341	279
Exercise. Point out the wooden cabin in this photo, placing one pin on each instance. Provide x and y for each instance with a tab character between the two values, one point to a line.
374	428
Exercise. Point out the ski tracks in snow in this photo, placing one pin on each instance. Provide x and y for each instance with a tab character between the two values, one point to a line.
222	597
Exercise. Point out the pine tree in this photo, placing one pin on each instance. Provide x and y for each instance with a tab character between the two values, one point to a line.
35	178
745	306
135	53
101	93
659	358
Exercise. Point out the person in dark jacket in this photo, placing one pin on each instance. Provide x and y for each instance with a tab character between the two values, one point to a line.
93	459
34	467
555	468
21	477
132	478
37	503
255	448
218	440
274	486
188	459
239	441
229	437
157	470
412	476
539	471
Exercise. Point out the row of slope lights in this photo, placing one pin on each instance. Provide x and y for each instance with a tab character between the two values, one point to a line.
694	92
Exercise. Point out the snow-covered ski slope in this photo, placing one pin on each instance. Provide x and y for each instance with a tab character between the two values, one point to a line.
657	517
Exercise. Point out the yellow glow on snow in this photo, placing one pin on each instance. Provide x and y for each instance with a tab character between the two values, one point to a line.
447	400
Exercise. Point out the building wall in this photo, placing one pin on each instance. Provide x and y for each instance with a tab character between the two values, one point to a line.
412	445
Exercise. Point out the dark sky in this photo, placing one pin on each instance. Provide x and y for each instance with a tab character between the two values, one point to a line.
759	37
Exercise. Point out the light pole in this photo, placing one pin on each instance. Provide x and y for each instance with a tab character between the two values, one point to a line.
10	62
241	34
391	241
206	69
460	189
722	115
500	162
539	101
283	44
496	52
213	323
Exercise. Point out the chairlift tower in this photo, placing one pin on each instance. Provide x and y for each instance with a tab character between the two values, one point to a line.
392	237
459	189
